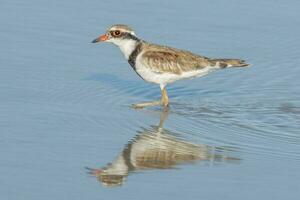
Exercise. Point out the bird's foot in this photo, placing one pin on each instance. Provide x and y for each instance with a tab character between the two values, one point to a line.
145	104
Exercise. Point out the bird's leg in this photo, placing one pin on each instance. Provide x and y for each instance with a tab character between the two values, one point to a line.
145	104
164	100
164	97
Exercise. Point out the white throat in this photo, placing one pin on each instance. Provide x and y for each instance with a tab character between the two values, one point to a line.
127	46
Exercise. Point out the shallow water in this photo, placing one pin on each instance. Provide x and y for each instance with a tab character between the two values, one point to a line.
67	131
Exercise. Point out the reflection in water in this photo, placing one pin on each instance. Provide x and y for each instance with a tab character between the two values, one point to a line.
157	148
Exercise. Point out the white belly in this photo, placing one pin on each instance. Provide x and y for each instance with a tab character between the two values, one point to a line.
166	78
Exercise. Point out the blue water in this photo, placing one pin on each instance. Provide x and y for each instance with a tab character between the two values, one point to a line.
65	103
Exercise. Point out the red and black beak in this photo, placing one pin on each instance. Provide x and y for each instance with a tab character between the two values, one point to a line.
102	38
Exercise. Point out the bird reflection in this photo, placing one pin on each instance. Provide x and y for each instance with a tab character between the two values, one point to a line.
157	148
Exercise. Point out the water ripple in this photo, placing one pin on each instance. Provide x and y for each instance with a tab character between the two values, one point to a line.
263	128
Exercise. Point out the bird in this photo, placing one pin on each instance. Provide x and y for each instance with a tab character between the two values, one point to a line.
160	64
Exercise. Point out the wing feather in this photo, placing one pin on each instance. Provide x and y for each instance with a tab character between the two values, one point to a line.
169	60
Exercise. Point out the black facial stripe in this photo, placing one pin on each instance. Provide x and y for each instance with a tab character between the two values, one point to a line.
126	35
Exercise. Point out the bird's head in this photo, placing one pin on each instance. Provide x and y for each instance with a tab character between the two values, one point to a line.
117	34
121	35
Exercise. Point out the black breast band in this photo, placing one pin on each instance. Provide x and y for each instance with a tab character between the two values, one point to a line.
134	54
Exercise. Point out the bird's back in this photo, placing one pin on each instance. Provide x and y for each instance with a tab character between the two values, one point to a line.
163	59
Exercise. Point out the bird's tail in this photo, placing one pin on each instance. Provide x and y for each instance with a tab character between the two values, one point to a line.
223	63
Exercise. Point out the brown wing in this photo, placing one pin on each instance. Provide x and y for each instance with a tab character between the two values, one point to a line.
174	61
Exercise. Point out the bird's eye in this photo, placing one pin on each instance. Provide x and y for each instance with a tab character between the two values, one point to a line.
116	33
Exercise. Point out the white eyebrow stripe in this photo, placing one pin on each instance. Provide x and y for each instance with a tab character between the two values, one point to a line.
122	30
